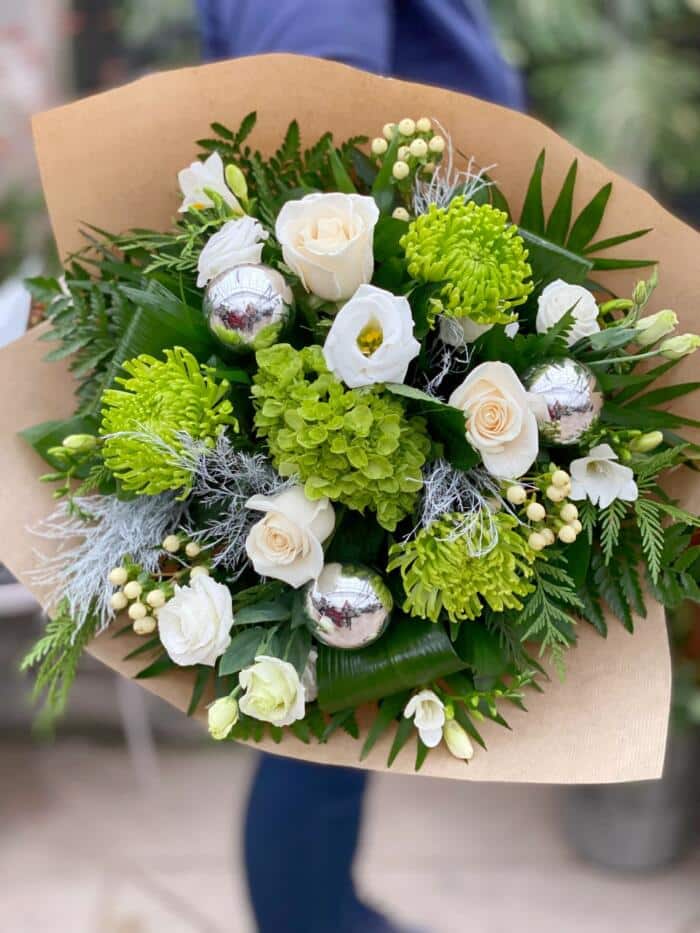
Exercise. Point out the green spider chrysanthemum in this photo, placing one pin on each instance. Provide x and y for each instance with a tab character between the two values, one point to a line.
440	575
356	446
477	252
144	421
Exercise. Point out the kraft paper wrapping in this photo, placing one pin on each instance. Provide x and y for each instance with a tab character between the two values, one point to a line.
112	160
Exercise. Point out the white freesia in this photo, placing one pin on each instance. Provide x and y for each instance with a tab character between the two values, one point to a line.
458	742
222	716
195	624
371	339
558	298
308	677
286	543
273	692
237	242
327	240
499	418
600	478
199	176
428	713
458	331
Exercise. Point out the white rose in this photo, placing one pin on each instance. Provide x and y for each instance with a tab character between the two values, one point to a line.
273	692
558	298
308	677
601	479
286	543
500	421
327	240
458	742
195	624
458	331
239	241
200	175
222	716
428	712
371	338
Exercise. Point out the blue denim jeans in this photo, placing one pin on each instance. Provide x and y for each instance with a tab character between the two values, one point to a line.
301	834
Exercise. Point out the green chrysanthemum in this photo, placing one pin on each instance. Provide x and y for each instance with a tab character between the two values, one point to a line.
440	575
356	446
144	421
476	251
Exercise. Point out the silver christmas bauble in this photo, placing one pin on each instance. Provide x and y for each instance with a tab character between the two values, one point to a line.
348	606
567	399
247	307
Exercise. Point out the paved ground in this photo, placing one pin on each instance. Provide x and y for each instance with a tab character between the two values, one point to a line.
86	848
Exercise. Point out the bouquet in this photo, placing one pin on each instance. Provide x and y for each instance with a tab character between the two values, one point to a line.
358	442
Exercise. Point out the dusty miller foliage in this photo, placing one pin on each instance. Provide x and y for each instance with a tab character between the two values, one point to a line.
447	182
94	534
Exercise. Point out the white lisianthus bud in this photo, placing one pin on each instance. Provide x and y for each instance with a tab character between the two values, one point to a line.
400	170
535	512
156	599
418	148
645	443
118	576
200	571
118	601
379	146
567	534
137	610
133	589
171	544
403	153
516	495
655	327
407	126
222	716
388	130
424	125
560	478
537	541
675	348
437	144
400	213
458	741
192	549
568	513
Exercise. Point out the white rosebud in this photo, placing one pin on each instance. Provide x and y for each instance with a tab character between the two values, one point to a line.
601	479
156	599
287	543
458	741
388	130
379	146
400	170
192	549
568	512
137	610
222	716
428	713
273	692
171	544
535	512
567	534
118	601
424	125
437	144
418	148
237	242
407	126
118	576
209	175
516	495
558	298
133	589
400	213
195	624
537	541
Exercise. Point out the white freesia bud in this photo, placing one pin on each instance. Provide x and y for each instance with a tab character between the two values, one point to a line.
286	543
199	176
400	213
118	576
535	512
379	146
133	589
424	125
437	144
222	716
458	741
235	179
371	338
601	479
407	126
558	298
645	443
428	713
195	625
273	692
79	443
327	240
675	348
655	327
118	601
400	170
238	241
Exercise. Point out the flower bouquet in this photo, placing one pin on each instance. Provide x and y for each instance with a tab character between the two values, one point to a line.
370	446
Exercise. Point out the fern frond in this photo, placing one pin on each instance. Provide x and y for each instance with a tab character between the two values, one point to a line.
611	521
651	530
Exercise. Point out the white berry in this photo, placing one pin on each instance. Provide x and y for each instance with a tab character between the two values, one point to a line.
379	145
535	512
407	126
568	512
567	534
554	493
145	626
118	576
537	541
133	589
418	148
171	543
437	144
192	549
200	571
118	601
423	125
516	495
400	213
156	599
400	170
560	478
137	611
388	130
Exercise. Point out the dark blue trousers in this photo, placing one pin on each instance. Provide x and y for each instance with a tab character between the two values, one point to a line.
301	833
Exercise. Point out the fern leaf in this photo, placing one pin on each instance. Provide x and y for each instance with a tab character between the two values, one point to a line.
652	534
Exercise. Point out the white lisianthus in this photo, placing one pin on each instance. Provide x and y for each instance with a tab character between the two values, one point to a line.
195	624
327	240
649	330
308	678
499	418
458	331
371	339
601	479
558	298
238	241
286	543
273	692
428	713
199	176
458	742
222	716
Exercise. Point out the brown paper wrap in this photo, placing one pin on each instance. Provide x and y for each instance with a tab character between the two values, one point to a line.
112	161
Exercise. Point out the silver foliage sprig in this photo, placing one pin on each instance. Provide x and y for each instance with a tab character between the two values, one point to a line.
447	181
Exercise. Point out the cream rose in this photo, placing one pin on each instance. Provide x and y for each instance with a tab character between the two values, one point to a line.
327	240
286	543
195	624
558	298
371	339
273	692
499	419
239	241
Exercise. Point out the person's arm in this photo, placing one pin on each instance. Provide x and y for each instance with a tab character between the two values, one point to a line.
357	32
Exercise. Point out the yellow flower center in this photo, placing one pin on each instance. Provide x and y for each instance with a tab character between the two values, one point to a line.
370	338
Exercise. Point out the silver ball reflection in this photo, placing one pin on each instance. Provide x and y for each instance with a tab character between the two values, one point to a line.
567	399
247	307
348	606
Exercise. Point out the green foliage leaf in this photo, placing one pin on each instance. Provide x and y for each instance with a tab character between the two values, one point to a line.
388	710
532	216
275	610
550	261
42	437
404	731
560	218
161	665
610	520
242	650
588	221
482	649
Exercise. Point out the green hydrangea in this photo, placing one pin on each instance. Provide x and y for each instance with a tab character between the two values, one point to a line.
477	252
356	446
440	575
144	421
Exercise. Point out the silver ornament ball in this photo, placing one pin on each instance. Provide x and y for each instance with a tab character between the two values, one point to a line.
567	399
247	307
348	606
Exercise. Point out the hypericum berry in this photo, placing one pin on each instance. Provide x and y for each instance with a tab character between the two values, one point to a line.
400	213
407	126
137	610
568	513
577	526
548	536
156	599
567	534
133	589
535	512
537	541
145	626
437	144
388	130
192	549
516	494
379	146
118	601
118	576
560	478
418	148
555	493
424	125
200	571
403	153
171	544
400	170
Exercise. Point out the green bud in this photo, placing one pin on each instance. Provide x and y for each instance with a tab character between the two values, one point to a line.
675	348
646	442
222	717
80	443
655	327
235	179
639	295
457	740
